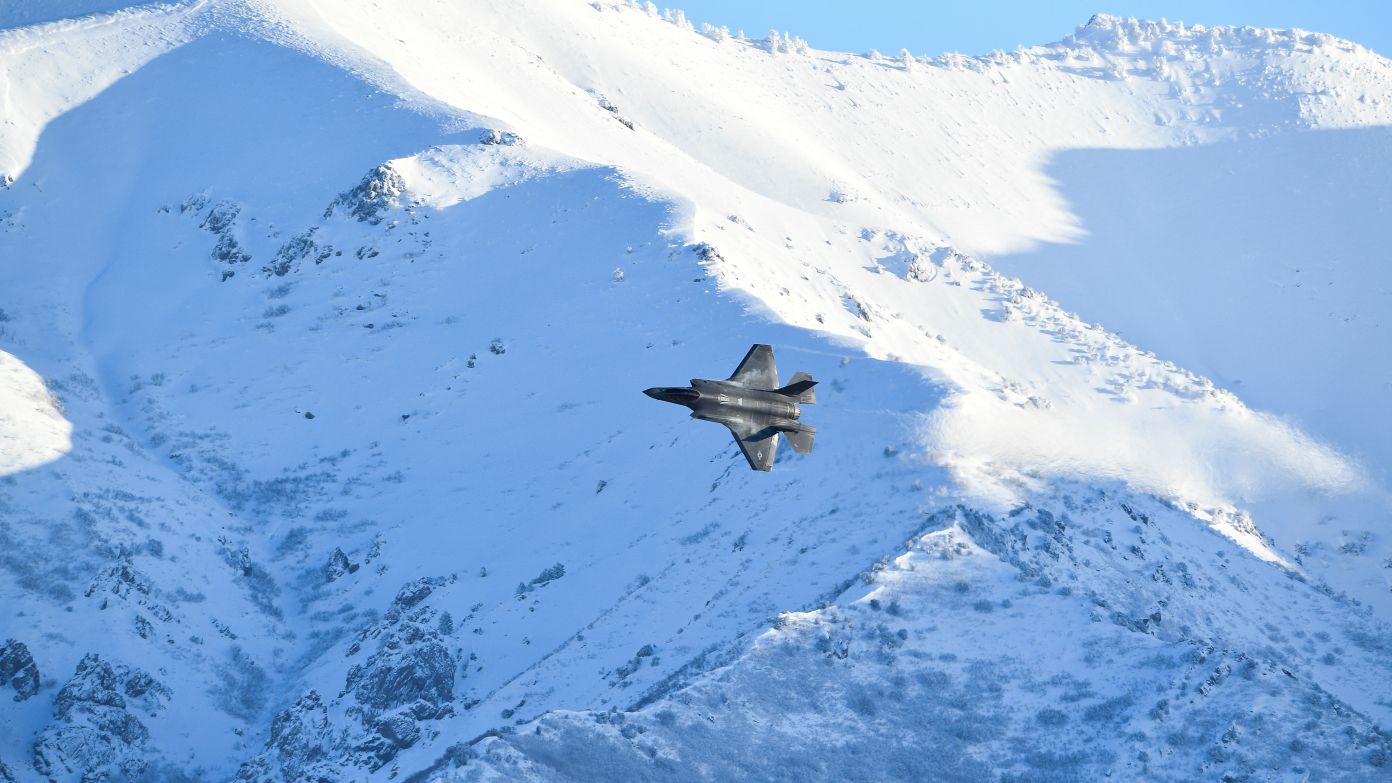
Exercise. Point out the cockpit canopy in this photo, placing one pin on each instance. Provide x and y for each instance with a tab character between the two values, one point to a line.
677	394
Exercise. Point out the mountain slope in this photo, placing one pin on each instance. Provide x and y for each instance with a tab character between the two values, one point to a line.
337	463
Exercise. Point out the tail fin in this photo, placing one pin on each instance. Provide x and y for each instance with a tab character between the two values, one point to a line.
801	440
801	388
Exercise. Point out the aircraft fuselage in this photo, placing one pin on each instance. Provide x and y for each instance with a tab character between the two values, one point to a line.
721	401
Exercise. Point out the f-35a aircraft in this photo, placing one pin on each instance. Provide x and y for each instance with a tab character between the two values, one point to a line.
752	405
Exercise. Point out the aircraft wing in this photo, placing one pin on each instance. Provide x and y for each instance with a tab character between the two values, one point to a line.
757	371
757	443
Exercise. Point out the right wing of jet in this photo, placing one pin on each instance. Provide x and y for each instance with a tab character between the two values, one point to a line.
757	371
757	443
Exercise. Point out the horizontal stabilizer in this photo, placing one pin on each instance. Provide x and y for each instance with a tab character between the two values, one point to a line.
801	440
801	388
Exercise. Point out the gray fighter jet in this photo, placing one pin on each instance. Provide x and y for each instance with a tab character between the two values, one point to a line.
752	405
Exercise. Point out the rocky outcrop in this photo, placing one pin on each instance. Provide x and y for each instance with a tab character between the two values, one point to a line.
410	677
221	217
413	668
338	566
302	746
378	192
94	733
220	220
408	680
127	584
386	704
17	668
501	138
296	249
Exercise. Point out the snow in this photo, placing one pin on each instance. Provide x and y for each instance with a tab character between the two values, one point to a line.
327	323
771	145
32	428
48	69
1266	275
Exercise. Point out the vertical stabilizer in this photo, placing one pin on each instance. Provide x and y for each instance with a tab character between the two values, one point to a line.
801	388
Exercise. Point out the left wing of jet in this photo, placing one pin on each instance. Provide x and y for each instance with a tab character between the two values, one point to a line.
757	443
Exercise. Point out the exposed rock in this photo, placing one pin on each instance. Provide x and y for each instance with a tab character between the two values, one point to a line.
412	593
93	733
614	110
301	747
123	581
857	306
394	734
194	203
120	579
139	684
379	191
294	249
17	667
338	565
220	218
413	665
229	251
501	137
408	680
5	775
707	252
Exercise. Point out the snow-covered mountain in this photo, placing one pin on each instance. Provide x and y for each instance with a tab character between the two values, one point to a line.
322	453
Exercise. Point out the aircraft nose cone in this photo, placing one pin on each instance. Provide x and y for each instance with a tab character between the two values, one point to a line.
654	393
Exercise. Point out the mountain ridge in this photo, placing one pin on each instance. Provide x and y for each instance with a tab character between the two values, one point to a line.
316	428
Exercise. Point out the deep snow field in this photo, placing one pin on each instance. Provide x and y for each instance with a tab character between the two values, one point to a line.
323	327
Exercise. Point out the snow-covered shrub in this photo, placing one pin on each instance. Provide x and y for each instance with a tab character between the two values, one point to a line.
242	689
677	17
717	34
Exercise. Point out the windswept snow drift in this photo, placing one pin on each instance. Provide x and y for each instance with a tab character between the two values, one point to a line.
348	307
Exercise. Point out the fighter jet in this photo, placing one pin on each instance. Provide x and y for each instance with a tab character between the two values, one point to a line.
752	405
